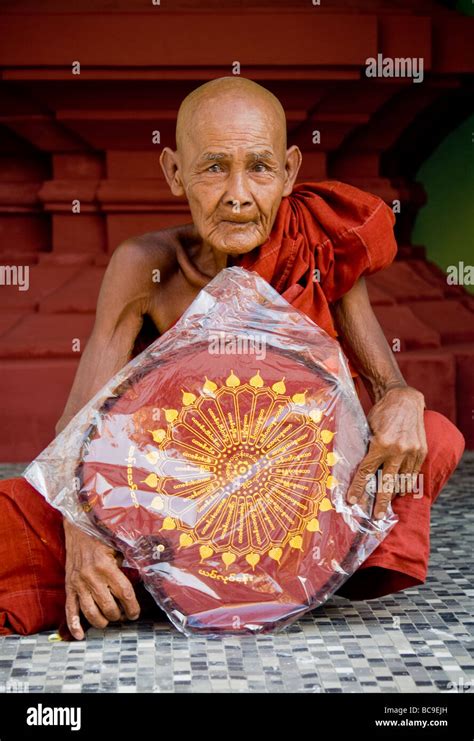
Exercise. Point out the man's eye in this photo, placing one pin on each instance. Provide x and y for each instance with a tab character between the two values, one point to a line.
215	168
260	167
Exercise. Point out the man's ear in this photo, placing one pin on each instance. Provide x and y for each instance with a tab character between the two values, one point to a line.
170	166
292	166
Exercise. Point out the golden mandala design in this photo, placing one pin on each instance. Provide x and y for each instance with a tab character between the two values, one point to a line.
241	469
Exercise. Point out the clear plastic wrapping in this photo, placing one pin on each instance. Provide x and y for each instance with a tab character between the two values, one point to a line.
218	463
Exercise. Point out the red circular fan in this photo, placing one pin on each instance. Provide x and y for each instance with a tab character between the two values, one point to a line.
222	480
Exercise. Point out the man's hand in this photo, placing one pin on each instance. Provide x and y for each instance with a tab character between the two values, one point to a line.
398	445
95	585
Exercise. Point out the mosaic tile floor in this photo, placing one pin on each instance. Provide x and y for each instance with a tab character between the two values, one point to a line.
417	641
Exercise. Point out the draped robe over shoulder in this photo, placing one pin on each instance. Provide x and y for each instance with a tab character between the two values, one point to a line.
325	237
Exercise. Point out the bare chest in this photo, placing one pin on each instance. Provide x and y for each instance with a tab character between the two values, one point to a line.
169	300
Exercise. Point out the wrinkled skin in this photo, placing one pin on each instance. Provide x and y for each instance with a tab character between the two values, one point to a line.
94	583
398	440
233	166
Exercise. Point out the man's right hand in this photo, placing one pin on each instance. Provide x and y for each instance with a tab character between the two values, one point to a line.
95	585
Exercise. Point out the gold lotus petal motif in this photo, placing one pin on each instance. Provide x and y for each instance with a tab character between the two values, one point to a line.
276	554
228	558
299	399
209	386
151	480
279	387
171	414
188	398
168	524
232	381
157	503
205	551
256	381
252	559
297	542
158	435
326	436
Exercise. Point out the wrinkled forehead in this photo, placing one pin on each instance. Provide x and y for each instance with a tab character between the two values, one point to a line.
231	124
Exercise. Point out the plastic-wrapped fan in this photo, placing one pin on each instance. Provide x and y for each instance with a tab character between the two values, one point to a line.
219	461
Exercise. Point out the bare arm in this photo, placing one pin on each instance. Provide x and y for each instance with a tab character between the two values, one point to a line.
398	443
94	583
122	302
364	342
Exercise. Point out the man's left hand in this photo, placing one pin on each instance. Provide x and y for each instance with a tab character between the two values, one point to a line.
397	446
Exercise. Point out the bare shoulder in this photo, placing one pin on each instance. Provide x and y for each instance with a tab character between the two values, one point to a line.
139	256
137	266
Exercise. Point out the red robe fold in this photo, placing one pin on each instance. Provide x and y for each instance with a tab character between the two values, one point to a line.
326	235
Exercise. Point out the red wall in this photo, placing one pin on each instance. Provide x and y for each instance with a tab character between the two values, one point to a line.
88	137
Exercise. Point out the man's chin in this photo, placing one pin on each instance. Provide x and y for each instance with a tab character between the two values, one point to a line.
239	243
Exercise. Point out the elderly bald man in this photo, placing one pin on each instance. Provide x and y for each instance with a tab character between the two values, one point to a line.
233	166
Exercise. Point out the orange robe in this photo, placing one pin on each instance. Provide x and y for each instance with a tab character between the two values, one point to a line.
326	235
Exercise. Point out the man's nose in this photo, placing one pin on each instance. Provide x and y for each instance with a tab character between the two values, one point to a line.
237	195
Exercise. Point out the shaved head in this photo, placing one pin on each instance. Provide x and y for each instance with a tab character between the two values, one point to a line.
231	162
236	90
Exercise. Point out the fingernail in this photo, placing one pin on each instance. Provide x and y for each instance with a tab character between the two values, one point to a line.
380	515
352	500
